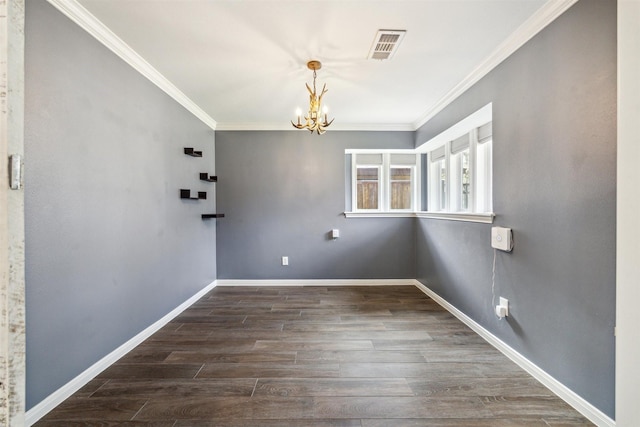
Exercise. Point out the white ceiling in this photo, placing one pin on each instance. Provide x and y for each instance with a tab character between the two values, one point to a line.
244	62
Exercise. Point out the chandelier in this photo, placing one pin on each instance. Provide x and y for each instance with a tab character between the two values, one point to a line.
314	121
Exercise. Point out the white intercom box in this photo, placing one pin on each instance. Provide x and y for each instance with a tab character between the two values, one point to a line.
502	238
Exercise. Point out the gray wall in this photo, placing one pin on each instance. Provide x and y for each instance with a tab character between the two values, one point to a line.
110	247
554	128
283	191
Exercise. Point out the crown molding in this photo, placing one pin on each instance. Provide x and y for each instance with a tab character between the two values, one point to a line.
538	21
83	18
525	32
375	127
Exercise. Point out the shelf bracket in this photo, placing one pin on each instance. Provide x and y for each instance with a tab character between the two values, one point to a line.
209	178
209	216
186	194
189	151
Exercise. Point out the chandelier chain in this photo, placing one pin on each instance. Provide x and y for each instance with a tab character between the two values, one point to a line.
314	81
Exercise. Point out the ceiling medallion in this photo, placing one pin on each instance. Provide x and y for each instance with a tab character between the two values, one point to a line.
313	120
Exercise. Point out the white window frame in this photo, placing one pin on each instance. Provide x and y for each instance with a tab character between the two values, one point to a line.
481	175
480	186
480	170
484	166
459	185
437	167
415	181
384	184
354	186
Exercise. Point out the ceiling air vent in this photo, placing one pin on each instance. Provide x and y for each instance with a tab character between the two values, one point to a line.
386	43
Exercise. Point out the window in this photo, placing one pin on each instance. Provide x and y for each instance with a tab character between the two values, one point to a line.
368	187
460	173
465	180
402	181
384	182
401	191
454	169
484	168
438	178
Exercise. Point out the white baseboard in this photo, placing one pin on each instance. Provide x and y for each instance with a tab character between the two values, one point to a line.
58	396
585	408
318	282
578	403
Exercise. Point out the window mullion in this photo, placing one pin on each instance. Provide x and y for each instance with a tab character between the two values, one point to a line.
385	184
430	187
447	178
354	183
416	199
473	142
489	180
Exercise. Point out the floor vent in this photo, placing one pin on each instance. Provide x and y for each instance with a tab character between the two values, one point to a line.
386	44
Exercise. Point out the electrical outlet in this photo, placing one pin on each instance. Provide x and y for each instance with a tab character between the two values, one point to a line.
505	303
285	260
502	309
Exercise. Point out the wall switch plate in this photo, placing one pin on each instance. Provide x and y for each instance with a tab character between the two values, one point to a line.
285	260
502	238
335	233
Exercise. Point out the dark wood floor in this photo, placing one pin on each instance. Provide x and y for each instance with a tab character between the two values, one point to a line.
314	357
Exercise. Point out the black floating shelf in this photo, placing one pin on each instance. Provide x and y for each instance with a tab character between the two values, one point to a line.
206	177
209	216
186	194
191	152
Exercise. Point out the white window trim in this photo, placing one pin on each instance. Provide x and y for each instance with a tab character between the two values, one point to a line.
484	218
481	192
467	125
453	187
486	164
384	184
361	214
415	185
354	187
433	194
473	121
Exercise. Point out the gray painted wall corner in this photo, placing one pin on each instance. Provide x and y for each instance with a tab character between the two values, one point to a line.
554	183
110	247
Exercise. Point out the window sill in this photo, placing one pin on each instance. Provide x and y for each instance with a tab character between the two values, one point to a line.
484	218
380	214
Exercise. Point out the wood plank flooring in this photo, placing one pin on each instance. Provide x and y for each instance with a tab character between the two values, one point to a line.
314	357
